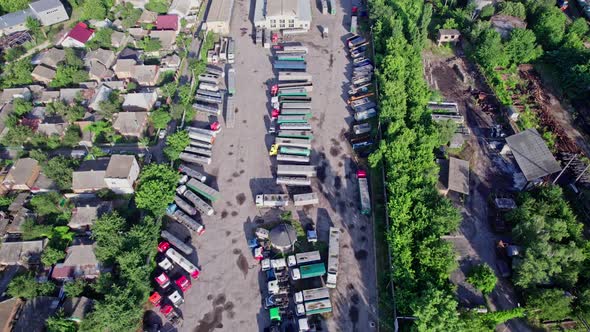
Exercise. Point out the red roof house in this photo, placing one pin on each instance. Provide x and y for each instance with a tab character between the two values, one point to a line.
78	36
167	22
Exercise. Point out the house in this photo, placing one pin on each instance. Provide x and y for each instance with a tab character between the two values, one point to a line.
447	36
76	308
147	17
132	124
142	101
14	22
35	313
52	125
219	15
146	75
8	95
184	8
52	57
89	177
171	62
167	22
85	214
43	74
69	95
454	176
100	72
22	175
89	85
504	24
167	38
24	253
532	155
129	54
78	36
80	262
99	62
138	33
48	97
9	310
119	39
124	68
122	172
44	184
49	12
116	85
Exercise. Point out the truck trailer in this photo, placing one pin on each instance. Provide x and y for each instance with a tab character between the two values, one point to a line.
209	93
183	218
199	203
281	119
295	105
288	76
203	189
272	200
318	307
365	198
185	169
231	81
333	257
184	263
295	126
290	65
184	205
199	144
306	199
292	158
176	242
365	114
209	78
294	181
194	158
296	111
201	137
308	271
295	134
208	99
199	151
207	108
361	129
294	142
312	294
296	170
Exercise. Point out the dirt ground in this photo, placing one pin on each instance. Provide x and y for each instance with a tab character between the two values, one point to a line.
454	77
227	295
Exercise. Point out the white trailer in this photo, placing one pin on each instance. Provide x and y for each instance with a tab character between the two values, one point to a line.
295	126
183	263
301	105
306	199
296	170
365	114
313	294
198	202
202	145
295	48
207	108
292	158
184	206
186	220
201	137
308	257
294	181
194	158
231	81
362	128
272	200
209	93
208	86
202	131
200	151
333	257
208	99
293	76
294	142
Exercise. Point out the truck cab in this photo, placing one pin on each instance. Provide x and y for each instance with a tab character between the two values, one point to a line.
291	261
295	274
176	299
183	283
165	264
163	246
163	280
156	299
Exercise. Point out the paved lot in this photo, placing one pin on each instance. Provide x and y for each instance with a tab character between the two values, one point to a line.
228	294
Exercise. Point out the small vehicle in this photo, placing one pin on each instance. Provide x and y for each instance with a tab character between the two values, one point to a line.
274	150
165	264
162	134
183	283
163	246
176	299
163	280
276	300
171	315
156	299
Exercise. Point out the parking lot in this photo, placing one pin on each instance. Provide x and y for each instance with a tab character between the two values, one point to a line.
228	293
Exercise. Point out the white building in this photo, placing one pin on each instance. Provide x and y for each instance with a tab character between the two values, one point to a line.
283	14
219	16
121	173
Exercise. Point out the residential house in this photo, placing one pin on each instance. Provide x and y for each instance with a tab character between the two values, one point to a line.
131	124
76	308
116	85
137	33
48	97
122	172
35	312
52	125
119	39
49	12
78	36
8	95
184	8
448	36
167	22
88	85
9	310
43	74
124	68
171	62
52	57
142	101
167	38
14	22
99	62
128	53
25	253
147	17
44	184
504	24
85	214
80	262
146	75
69	95
454	176
22	174
89	177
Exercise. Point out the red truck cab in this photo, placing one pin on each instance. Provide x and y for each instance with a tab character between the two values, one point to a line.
156	299
163	280
183	283
163	246
275	113
360	174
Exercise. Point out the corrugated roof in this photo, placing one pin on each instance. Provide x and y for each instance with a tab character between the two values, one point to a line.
167	22
81	33
532	154
459	175
283	236
120	166
45	5
220	11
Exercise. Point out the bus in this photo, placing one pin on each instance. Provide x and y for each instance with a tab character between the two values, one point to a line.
333	255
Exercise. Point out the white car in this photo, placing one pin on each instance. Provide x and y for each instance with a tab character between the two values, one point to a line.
162	134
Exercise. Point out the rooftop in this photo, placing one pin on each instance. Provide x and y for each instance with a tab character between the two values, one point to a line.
43	72
45	5
80	253
21	253
87	212
81	33
459	175
532	154
167	22
143	100
53	57
76	308
120	166
283	236
35	312
220	11
22	171
130	123
90	175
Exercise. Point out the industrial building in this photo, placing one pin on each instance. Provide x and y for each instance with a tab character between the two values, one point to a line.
283	14
219	16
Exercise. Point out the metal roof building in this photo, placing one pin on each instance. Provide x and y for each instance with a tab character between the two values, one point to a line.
283	237
532	154
219	16
282	14
459	176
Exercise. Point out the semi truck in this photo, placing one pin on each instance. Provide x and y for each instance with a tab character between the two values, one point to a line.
203	189
184	205
306	199
231	51
294	181
308	271
295	134
365	114
296	111
293	158
281	119
288	76
183	218
363	107
313	294
199	203
292	91
194	158
294	142
290	150
295	105
231	81
176	299
362	128
200	151
183	263
207	108
365	197
185	169
290	65
272	200
296	170
333	257
176	242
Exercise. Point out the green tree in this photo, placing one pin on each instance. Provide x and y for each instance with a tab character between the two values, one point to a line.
33	231
483	278
59	323
75	288
160	119
69	112
72	136
21	107
17	136
60	170
131	86
550	27
436	311
17	73
149	44
108	233
175	143
34	26
51	256
129	15
168	89
510	8
68	75
158	6
489	321
177	110
155	190
9	6
186	95
46	203
579	26
25	286
489	52
549	304
101	39
14	53
73	58
487	12
119	311
446	131
522	46
96	9
110	106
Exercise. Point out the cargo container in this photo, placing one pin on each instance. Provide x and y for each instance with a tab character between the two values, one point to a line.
295	105
203	189
365	197
308	86
287	76
362	128
230	112
201	137
308	257
296	170
293	99
183	218
185	169
194	158
202	131
306	199
207	108
293	142
272	200
184	205
289	150
296	111
184	263
208	78
313	294
294	47
292	119
199	151
199	203
292	92
295	126
333	257
231	81
290	65
308	271
292	158
176	242
199	144
290	57
293	181
295	134
318	307
353	24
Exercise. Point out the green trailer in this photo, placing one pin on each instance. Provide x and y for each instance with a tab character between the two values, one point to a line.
295	151
312	270
292	92
203	189
290	58
295	134
292	119
296	111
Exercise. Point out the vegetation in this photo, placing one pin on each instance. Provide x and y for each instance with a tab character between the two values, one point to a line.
160	119
96	9
60	170
75	288
110	106
483	278
16	73
158	6
175	143
70	112
101	39
9	6
149	44
549	304
51	256
156	188
71	71
25	286
59	323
